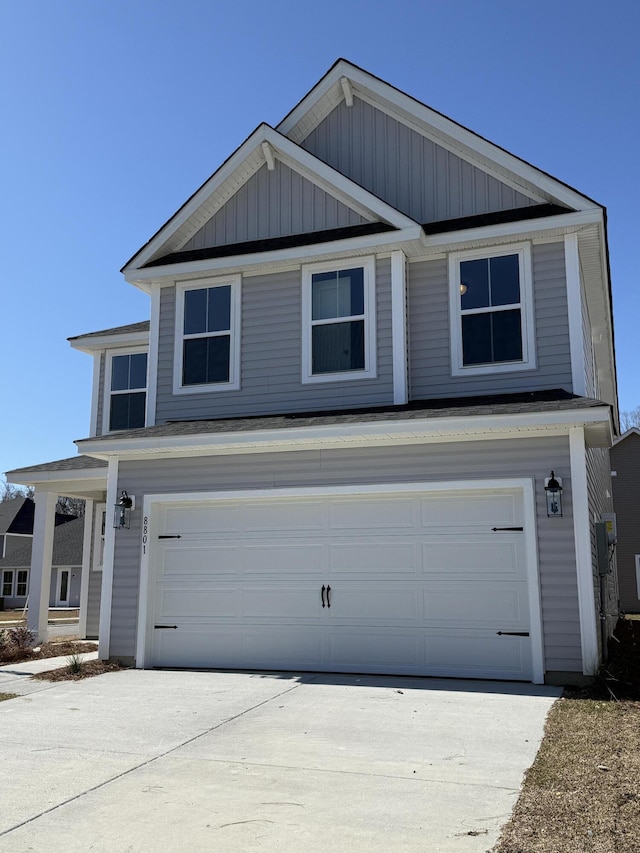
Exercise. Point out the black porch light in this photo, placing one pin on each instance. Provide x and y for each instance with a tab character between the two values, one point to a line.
122	515
553	491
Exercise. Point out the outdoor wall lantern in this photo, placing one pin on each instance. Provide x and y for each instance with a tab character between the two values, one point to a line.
553	490
122	515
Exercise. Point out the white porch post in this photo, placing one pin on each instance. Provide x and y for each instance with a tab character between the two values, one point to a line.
41	556
86	569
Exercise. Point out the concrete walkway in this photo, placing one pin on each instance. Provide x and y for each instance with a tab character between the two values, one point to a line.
15	677
235	762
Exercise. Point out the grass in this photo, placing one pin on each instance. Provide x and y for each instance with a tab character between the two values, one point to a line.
5	696
582	794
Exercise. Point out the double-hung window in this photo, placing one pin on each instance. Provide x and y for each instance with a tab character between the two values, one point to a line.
491	304
207	343
127	396
22	583
339	325
7	583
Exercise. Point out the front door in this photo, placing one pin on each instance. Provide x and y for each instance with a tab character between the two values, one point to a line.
64	582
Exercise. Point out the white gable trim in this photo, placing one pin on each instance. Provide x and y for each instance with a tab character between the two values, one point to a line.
331	181
473	148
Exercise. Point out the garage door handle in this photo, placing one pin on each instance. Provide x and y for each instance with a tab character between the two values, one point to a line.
165	627
322	594
328	597
512	633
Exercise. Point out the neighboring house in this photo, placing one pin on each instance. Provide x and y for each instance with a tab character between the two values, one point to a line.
373	337
625	465
16	534
65	573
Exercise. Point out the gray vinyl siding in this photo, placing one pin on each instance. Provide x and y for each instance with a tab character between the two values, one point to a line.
430	353
439	462
93	604
271	353
408	171
273	204
625	461
600	490
100	407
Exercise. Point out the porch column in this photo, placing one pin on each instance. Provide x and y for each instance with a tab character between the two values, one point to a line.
41	556
86	569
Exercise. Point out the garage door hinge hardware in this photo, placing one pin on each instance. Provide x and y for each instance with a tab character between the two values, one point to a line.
175	536
498	529
512	633
173	627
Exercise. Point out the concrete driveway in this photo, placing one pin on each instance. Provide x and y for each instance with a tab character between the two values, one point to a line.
234	761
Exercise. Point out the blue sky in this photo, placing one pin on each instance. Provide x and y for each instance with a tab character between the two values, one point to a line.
114	112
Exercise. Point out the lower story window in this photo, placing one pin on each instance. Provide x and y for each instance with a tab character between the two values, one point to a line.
22	583
7	583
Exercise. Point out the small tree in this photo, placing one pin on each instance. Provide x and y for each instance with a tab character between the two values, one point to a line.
9	491
630	419
70	506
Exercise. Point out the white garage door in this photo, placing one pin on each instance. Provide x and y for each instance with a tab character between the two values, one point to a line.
430	583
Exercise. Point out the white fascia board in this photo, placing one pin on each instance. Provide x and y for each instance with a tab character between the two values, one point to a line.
515	230
293	256
92	345
382	92
294	156
79	477
421	429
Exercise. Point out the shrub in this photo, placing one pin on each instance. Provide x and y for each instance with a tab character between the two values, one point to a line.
22	638
75	664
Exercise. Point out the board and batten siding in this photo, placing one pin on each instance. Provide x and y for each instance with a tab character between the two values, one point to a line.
600	493
430	353
271	356
273	204
431	463
405	169
101	389
625	461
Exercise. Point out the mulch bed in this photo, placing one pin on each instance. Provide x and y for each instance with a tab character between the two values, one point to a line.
46	650
87	670
582	794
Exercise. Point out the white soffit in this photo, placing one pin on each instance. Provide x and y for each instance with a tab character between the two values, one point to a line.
506	167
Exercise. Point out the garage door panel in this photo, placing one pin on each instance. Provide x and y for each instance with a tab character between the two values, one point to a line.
378	650
494	559
187	559
199	603
475	606
457	510
269	557
374	558
302	649
385	604
203	519
372	513
199	644
283	516
282	602
472	654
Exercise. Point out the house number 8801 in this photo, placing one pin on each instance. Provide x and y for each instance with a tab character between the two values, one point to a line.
145	530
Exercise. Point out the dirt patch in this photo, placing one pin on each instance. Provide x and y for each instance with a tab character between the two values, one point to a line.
5	696
86	669
582	793
51	649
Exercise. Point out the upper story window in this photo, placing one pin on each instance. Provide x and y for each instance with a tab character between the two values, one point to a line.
126	384
207	346
338	321
491	301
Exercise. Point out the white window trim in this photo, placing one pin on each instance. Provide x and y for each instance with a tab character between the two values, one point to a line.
106	397
234	330
528	362
638	575
97	535
370	367
16	581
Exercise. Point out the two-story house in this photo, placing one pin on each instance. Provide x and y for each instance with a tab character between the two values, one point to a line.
366	427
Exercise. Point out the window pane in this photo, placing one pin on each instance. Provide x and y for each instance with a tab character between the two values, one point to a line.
474	275
505	280
337	294
136	409
127	411
7	583
507	336
21	583
337	347
476	339
120	372
206	360
138	370
219	309
195	311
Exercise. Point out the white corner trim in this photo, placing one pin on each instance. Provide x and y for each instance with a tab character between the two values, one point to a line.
95	391
368	265
584	566
399	327
536	631
104	633
347	91
574	305
267	150
152	358
147	535
86	568
526	305
235	333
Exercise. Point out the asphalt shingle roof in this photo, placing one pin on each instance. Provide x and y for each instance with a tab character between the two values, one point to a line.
67	548
73	463
116	330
